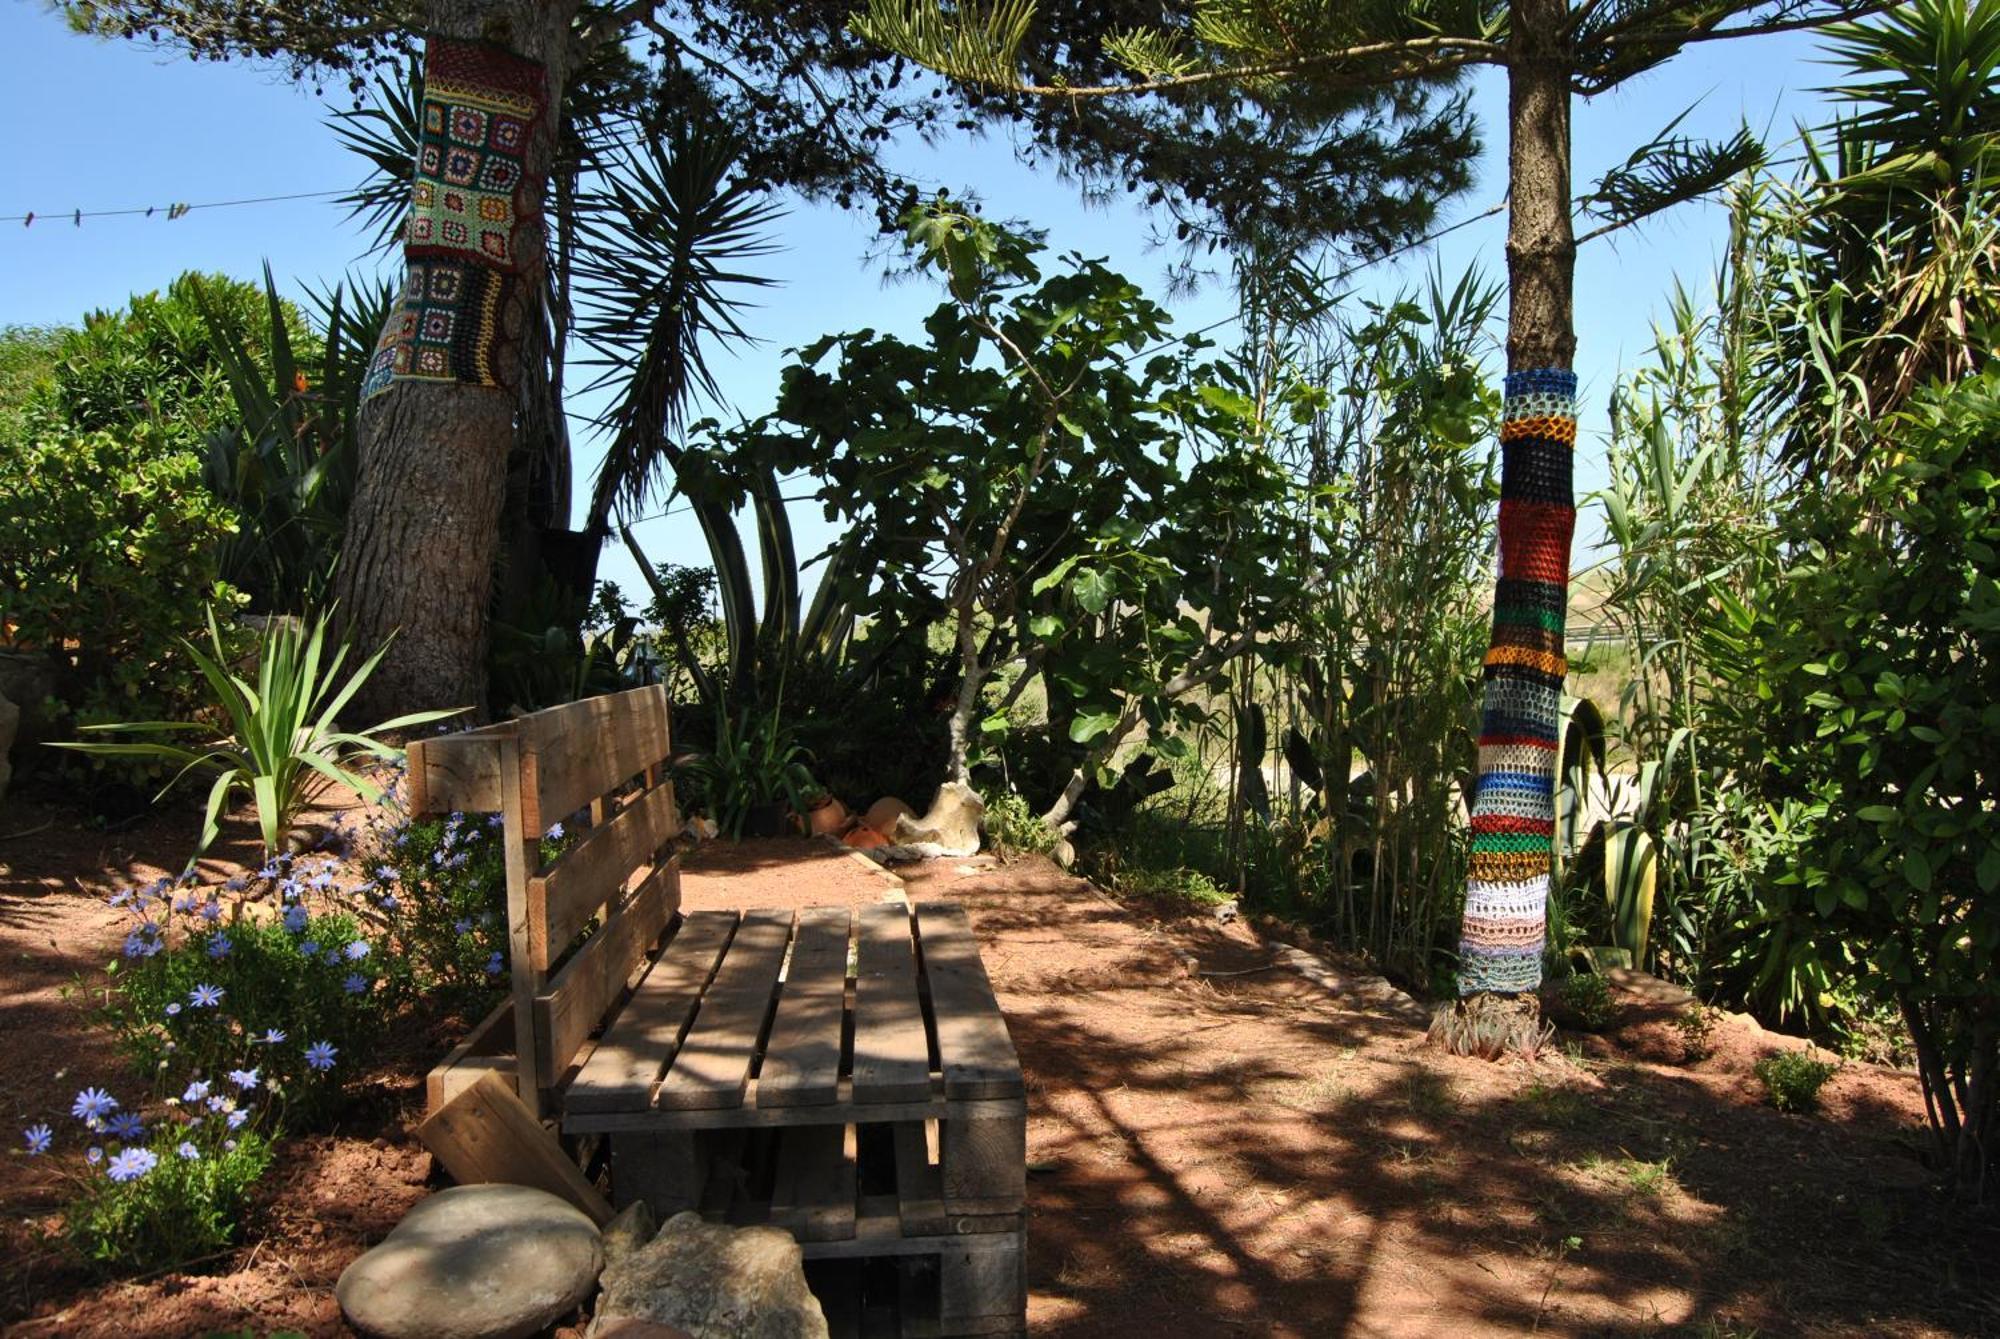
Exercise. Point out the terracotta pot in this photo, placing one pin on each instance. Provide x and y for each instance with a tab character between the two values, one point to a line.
826	817
865	838
882	815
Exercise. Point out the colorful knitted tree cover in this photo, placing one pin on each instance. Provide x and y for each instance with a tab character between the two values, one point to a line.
470	198
1513	803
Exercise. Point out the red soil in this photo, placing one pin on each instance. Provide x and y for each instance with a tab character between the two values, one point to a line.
1217	1146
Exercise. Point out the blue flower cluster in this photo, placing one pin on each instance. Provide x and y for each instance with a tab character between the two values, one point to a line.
206	1119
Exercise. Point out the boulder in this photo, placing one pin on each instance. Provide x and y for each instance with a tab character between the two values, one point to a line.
474	1262
629	1231
713	1281
951	828
882	815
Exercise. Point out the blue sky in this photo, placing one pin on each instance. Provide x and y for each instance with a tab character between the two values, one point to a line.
103	125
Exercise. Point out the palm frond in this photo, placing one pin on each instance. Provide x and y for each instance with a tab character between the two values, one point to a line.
661	240
385	133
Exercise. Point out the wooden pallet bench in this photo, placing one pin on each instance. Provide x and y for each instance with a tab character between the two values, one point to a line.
844	1074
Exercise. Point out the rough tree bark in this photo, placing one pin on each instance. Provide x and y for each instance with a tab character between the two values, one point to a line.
424	527
1513	807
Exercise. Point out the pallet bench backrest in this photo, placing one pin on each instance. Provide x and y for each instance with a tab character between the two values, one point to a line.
599	765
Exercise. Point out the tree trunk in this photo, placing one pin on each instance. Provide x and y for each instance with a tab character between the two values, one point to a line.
1513	809
424	526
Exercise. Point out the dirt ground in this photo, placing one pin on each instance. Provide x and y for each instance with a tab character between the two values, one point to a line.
1217	1145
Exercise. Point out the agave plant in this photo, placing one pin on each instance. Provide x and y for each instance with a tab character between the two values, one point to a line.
283	745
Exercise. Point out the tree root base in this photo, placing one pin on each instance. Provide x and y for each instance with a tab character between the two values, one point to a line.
1491	1027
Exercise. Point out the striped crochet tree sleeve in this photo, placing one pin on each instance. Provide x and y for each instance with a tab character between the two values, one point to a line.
1513	803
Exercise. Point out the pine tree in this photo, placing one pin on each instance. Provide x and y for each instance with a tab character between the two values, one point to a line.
1551	50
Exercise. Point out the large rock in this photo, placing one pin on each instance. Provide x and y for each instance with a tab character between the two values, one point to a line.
474	1262
715	1282
951	828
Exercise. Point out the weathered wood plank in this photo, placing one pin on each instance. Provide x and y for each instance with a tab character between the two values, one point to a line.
980	1280
802	1060
984	1160
813	1193
712	1067
666	1170
975	1052
487	1134
563	897
919	1188
891	1051
932	1107
460	771
578	995
488	1048
574	753
636	1046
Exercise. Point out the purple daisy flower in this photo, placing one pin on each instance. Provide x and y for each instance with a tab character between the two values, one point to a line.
93	1104
205	996
39	1138
132	1164
320	1055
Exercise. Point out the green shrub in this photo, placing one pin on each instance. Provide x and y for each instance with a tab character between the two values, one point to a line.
107	560
1186	886
1586	997
1012	828
1697	1024
186	1205
446	882
1874	703
203	989
1792	1079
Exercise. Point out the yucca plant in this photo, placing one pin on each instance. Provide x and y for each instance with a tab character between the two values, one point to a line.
283	745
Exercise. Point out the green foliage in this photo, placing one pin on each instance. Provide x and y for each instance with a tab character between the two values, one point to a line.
1792	1079
1696	1025
1112	526
160	362
755	772
1185	887
183	1210
284	744
27	363
1012	828
305	977
106	560
1586	997
286	462
1877	667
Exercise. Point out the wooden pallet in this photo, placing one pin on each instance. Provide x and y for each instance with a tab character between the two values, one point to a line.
844	1075
830	1019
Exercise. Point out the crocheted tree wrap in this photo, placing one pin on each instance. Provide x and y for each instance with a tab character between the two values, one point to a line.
469	201
1513	802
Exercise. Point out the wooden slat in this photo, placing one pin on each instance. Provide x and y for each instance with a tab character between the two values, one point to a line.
487	1134
488	1048
460	771
802	1060
980	1279
933	1107
891	1053
563	897
572	754
919	1188
974	1051
712	1067
812	1195
583	990
622	1070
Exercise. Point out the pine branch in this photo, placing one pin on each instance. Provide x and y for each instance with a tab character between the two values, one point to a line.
983	47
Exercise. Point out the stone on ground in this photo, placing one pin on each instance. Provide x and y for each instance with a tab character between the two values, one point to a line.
629	1231
713	1281
951	828
474	1262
